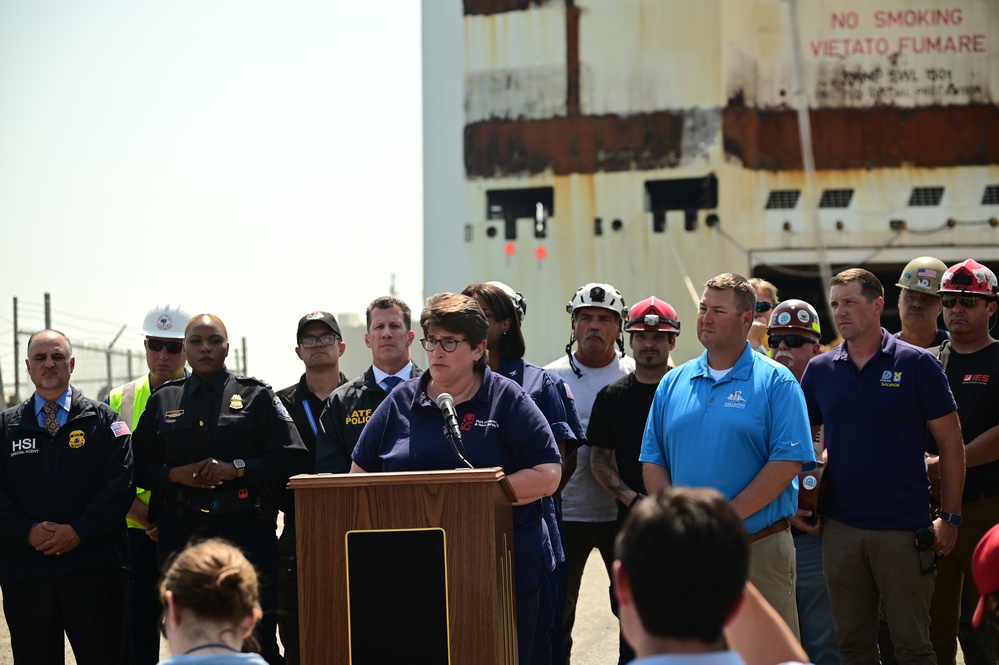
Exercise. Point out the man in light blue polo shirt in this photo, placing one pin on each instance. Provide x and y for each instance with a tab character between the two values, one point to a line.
736	421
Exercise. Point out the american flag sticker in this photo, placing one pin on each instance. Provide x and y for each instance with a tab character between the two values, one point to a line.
927	272
120	428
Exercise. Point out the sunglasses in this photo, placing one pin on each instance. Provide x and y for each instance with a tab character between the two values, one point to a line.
791	341
967	302
763	306
157	345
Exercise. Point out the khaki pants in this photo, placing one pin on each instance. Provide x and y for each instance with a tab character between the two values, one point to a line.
772	570
863	567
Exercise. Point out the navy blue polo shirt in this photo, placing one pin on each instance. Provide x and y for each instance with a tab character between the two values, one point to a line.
500	426
875	431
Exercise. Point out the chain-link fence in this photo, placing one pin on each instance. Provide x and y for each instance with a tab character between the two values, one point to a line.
106	354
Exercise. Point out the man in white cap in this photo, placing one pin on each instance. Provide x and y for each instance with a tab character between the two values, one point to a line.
163	329
597	313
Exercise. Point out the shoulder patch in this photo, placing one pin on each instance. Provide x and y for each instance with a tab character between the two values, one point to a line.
120	428
253	379
281	411
568	391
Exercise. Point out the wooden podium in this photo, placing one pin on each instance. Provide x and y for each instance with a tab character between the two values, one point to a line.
406	567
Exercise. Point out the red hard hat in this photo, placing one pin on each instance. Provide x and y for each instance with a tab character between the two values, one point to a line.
969	276
652	314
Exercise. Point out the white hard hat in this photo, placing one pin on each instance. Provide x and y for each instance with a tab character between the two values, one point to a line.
167	322
600	295
518	300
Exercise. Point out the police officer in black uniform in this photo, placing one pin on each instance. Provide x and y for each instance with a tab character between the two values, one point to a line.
65	486
216	449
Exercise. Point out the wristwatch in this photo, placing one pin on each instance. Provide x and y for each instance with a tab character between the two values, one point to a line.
952	518
241	468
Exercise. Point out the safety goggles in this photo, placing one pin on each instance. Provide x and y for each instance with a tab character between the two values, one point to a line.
967	302
157	345
791	341
763	306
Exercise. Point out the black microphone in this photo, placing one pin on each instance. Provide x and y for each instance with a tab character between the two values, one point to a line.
451	430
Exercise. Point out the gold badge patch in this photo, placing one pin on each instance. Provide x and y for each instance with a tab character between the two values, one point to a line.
174	414
76	439
236	402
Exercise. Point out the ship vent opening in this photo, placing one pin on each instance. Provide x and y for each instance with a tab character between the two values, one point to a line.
687	194
925	196
836	198
783	199
509	205
991	196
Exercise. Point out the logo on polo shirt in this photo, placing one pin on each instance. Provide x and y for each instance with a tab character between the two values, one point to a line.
890	379
467	422
979	379
735	400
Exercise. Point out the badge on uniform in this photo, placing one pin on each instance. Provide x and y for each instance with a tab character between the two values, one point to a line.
76	439
281	411
236	403
174	414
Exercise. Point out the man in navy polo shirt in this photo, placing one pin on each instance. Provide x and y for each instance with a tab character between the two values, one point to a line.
877	396
735	420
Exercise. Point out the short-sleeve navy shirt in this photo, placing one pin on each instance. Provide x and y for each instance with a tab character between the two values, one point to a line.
875	431
500	426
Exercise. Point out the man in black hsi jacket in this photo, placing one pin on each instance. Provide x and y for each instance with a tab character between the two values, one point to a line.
65	487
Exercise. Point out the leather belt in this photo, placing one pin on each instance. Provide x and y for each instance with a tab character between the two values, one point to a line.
780	525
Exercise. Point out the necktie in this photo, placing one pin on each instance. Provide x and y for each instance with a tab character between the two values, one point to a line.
391	382
51	423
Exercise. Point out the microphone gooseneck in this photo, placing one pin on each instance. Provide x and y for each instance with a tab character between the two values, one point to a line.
451	429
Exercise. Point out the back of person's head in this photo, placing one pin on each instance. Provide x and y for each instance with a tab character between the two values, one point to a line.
686	558
213	580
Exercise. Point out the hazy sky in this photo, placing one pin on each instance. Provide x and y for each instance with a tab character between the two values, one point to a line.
254	159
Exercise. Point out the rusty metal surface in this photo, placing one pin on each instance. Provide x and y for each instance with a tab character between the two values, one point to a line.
590	144
473	7
877	137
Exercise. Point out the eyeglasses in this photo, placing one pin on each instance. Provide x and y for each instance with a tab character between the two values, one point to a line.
448	344
791	341
763	306
157	345
967	302
309	342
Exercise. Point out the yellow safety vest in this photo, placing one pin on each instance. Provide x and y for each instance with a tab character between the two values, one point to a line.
129	401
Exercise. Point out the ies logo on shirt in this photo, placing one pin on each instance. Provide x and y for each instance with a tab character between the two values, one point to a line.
467	421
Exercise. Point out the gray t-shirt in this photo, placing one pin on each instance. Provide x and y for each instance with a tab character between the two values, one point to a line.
584	499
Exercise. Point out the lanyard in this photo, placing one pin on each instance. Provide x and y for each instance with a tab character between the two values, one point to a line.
308	414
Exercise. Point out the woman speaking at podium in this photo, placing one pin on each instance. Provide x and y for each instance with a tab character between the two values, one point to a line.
489	420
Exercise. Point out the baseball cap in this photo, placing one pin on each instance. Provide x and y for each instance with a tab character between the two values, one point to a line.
320	317
985	570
